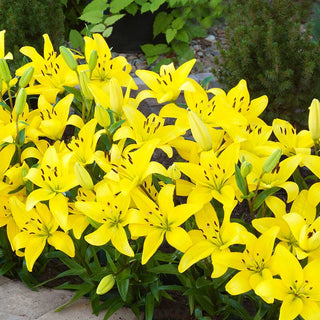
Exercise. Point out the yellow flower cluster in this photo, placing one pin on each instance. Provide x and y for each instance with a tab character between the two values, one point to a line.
79	162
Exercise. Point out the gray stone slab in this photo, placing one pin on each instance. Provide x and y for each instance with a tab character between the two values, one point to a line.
17	299
81	310
3	280
7	316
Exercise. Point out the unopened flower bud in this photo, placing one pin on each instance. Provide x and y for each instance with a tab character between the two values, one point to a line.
246	168
106	284
116	96
314	119
271	162
4	71
83	176
173	172
102	116
26	77
84	80
199	131
68	58
20	101
93	60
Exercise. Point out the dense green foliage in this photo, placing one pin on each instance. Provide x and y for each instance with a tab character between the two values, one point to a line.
178	21
26	21
267	47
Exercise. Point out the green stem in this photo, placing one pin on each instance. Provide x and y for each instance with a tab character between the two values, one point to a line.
10	96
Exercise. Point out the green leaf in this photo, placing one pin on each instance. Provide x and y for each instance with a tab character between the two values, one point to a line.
170	34
98	28
75	92
149	307
132	8
116	5
106	33
203	282
178	23
240	180
113	128
182	35
113	307
96	5
161	23
165	269
76	39
123	280
151	50
145	7
262	196
155	4
92	16
82	289
6	267
112	19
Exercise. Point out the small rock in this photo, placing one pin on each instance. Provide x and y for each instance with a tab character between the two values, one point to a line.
210	38
196	47
140	65
199	53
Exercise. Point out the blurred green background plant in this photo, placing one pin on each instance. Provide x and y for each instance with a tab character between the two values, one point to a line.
26	21
269	44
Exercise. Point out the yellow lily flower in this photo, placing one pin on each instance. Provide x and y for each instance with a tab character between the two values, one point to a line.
297	233
255	140
142	129
54	176
166	86
129	168
255	263
214	176
113	213
276	178
3	54
106	68
156	220
51	71
54	119
111	97
84	146
297	288
212	239
78	221
211	113
239	99
37	228
292	142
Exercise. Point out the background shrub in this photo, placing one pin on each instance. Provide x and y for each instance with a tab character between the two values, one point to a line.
26	21
270	47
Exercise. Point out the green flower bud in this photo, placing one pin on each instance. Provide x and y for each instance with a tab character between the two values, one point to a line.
246	168
106	284
84	80
68	58
271	162
83	176
20	101
102	116
4	71
93	60
26	77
